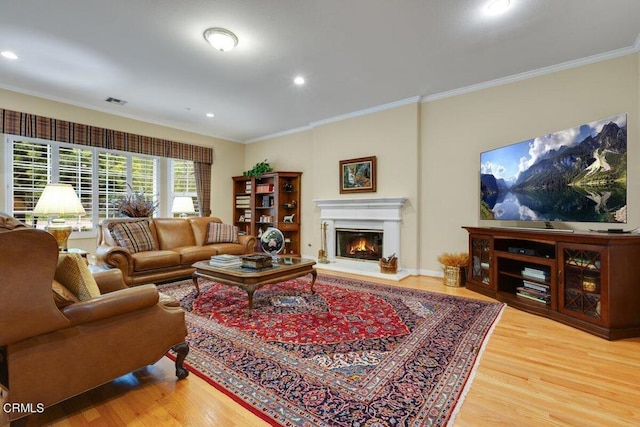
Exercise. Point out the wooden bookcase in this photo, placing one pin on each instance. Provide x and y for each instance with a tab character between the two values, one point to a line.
588	280
272	200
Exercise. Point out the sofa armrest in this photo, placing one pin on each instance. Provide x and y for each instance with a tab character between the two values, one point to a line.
116	256
109	280
248	241
112	304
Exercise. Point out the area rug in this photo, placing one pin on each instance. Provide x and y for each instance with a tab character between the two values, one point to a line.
352	354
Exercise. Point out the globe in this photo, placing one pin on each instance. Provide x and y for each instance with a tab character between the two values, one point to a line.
272	241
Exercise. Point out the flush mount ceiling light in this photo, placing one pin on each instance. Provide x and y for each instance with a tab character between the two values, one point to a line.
299	80
221	39
496	7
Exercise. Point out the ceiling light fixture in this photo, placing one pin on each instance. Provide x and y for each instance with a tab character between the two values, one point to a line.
497	7
8	54
299	80
210	115
221	39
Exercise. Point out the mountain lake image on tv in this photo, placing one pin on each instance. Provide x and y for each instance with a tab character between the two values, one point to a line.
575	175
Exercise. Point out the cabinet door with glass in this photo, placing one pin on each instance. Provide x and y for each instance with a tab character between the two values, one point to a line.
480	261
583	285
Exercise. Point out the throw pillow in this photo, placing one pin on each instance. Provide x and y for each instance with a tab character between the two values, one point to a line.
74	275
135	236
221	233
61	295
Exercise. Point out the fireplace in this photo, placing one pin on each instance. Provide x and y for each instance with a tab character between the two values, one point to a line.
362	215
364	245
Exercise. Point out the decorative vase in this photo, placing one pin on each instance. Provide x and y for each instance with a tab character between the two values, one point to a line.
454	276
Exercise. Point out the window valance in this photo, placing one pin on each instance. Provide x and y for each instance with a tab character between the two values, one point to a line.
34	126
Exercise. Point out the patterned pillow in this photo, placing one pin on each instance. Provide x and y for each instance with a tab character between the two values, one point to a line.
221	233
73	274
135	236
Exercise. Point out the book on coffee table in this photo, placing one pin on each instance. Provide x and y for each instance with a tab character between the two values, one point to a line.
225	260
256	261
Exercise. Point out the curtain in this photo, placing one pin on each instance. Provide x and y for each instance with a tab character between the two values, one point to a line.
34	126
202	171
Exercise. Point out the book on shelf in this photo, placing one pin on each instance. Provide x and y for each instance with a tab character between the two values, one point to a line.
536	286
532	292
264	188
533	297
535	273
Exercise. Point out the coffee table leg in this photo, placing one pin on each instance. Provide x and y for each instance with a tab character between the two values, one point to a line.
194	277
250	295
314	275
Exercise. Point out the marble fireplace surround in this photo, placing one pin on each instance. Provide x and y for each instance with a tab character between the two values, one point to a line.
374	213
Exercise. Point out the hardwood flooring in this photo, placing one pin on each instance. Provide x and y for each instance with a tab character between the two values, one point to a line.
533	372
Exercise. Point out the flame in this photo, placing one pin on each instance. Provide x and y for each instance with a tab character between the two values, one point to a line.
361	245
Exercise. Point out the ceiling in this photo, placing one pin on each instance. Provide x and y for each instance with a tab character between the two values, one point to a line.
354	54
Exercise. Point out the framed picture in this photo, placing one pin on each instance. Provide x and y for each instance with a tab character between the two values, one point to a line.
358	175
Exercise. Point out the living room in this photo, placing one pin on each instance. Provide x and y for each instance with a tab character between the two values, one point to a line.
427	150
409	142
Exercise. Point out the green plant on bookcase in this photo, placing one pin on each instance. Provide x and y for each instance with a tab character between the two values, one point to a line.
259	169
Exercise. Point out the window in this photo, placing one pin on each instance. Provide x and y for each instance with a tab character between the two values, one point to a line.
99	177
183	182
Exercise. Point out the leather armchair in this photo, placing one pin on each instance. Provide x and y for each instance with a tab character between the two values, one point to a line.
49	354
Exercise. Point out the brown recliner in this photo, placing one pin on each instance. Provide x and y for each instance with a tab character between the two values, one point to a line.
48	354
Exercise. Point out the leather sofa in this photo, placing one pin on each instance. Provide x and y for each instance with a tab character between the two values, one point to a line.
50	350
179	242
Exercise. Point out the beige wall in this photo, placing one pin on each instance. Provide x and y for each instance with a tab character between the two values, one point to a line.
456	130
430	152
391	135
426	152
228	156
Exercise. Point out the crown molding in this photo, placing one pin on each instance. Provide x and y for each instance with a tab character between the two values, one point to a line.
278	134
366	111
359	113
536	73
112	112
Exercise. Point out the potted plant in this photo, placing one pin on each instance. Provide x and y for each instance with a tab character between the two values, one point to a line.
259	169
135	205
454	266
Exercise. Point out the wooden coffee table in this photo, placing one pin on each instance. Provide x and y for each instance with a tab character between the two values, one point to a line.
251	280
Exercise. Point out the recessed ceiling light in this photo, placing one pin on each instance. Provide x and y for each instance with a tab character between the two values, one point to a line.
210	115
299	80
8	54
221	39
497	7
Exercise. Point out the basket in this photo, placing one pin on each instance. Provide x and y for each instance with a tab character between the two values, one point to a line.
455	276
388	267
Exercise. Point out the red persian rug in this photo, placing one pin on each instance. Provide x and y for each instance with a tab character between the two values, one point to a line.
352	354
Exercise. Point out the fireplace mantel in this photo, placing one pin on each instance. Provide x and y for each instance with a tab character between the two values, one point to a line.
372	208
376	213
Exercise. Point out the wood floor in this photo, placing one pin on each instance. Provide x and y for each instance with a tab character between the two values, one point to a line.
533	372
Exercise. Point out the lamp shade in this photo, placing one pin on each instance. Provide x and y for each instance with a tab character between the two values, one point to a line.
183	205
58	200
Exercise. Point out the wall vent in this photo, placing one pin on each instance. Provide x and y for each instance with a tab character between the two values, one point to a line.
115	101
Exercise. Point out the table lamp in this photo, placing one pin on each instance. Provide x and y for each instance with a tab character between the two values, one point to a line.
58	200
183	205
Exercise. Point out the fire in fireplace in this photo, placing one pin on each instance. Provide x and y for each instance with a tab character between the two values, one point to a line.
359	244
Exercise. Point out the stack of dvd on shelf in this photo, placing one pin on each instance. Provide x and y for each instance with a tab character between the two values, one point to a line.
225	260
535	291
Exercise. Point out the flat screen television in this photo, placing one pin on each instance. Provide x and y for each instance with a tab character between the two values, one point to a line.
575	175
